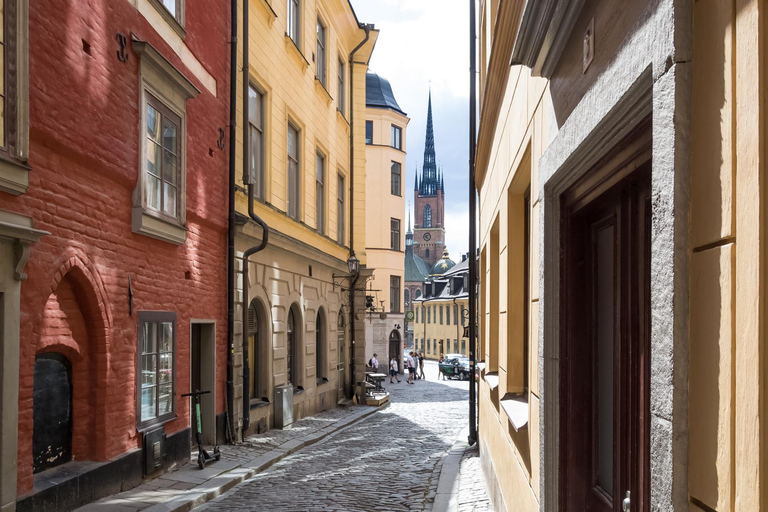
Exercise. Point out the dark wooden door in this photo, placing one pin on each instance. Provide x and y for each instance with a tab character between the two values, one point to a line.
51	412
394	348
606	344
196	374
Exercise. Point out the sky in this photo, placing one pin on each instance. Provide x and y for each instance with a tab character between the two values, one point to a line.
422	41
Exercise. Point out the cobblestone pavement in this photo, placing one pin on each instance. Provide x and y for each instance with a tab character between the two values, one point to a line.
473	493
391	461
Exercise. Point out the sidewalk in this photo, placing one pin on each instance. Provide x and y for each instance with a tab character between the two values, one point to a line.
187	487
461	486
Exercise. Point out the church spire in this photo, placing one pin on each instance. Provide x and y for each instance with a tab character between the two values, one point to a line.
429	183
416	180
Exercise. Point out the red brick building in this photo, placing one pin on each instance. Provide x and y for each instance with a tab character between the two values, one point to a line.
114	180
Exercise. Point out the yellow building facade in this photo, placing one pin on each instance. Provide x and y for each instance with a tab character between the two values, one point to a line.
386	127
304	85
621	179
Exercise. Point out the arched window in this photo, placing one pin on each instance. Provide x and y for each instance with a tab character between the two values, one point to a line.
426	254
320	348
407	296
418	293
427	216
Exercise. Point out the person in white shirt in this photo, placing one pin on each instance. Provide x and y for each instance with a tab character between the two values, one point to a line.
411	368
374	363
393	367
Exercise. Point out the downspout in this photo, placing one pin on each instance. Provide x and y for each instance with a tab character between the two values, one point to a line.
472	225
265	229
230	412
367	29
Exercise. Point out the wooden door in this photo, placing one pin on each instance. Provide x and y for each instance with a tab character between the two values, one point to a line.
51	412
606	342
196	376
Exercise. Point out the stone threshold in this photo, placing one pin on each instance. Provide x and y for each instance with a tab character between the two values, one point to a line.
191	487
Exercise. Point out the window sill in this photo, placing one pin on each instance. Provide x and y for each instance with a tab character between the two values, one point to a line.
155	423
14	176
257	404
516	409
271	10
169	18
145	223
291	43
298	390
320	85
342	117
321	381
492	379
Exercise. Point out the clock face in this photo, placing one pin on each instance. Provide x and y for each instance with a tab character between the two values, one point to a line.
427	236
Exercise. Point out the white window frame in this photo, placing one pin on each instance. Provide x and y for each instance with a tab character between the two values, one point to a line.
341	183
160	79
175	20
342	96
294	21
320	179
293	196
257	126
321	64
158	317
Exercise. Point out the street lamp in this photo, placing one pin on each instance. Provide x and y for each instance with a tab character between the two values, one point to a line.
353	265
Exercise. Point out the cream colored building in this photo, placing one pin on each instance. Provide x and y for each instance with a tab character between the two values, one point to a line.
621	177
306	67
385	224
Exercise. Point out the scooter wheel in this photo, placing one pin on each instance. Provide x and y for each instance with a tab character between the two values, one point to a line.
201	461
216	453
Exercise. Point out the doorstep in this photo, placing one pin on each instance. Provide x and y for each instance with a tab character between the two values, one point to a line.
188	487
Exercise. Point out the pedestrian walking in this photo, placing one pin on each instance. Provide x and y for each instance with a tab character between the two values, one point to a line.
439	373
421	365
411	368
374	363
393	367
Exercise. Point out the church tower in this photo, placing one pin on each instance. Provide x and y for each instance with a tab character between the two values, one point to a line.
429	202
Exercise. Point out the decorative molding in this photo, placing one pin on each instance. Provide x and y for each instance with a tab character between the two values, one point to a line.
176	24
20	256
155	227
14	176
149	55
19	230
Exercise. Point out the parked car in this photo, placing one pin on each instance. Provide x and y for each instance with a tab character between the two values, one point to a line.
455	367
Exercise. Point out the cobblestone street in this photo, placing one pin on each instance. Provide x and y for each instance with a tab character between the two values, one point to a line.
390	461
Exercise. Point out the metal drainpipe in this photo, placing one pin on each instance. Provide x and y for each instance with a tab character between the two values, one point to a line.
367	28
472	228
265	228
230	413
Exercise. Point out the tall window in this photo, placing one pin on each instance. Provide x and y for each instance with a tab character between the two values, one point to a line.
429	315
394	294
320	349
415	311
256	124
290	350
441	314
455	314
369	132
406	296
293	171
320	56
320	192
294	21
340	94
162	159
253	346
448	315
340	210
396	136
396	179
427	216
426	253
394	239
157	346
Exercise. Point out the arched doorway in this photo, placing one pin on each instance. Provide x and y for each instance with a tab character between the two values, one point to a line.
294	363
51	411
394	346
321	367
341	339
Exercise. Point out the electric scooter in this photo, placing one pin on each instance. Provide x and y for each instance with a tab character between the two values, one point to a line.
203	457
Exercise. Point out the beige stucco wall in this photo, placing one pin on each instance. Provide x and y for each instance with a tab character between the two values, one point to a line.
434	331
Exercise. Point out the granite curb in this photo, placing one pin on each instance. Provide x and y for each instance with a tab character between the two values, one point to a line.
447	497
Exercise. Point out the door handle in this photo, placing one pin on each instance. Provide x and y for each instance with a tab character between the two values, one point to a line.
625	504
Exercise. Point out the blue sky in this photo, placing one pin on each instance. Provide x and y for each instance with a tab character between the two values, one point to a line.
423	40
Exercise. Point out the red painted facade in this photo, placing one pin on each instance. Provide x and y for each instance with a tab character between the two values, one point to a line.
84	144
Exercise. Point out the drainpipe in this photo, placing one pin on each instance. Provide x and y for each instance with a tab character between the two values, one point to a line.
367	28
472	228
230	412
265	229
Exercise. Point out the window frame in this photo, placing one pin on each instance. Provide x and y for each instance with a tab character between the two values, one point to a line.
258	175
341	89
166	113
320	209
396	137
321	64
176	21
293	20
144	317
394	306
394	234
368	132
293	195
396	181
425	217
321	348
340	208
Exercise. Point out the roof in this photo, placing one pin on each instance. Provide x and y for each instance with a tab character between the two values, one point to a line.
416	269
461	266
378	93
442	265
